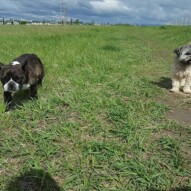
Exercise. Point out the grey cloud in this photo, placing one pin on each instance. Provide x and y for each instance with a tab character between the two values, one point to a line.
114	11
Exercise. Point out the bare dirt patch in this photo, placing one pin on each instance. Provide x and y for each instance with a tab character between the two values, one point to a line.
180	115
179	103
180	107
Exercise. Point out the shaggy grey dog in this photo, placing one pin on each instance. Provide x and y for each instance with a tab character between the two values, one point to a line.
181	70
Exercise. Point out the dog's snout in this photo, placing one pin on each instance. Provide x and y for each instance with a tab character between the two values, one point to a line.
11	86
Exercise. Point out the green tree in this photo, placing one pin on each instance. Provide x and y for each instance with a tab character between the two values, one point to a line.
77	22
23	23
71	22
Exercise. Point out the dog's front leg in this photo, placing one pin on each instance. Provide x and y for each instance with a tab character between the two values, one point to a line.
182	83
33	91
186	88
175	85
7	100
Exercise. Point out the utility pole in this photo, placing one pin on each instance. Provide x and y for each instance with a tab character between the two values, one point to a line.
179	22
176	22
188	20
63	12
184	20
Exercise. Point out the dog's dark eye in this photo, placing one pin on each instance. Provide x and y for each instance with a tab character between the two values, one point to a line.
18	80
5	79
188	53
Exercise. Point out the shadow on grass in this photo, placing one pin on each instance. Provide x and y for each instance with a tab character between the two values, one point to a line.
111	48
172	189
33	180
163	82
19	99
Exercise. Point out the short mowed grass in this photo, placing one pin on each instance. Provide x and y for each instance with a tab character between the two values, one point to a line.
100	121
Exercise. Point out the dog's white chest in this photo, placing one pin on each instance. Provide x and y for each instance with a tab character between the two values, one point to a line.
26	86
181	74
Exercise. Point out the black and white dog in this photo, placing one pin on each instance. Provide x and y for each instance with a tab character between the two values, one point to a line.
24	72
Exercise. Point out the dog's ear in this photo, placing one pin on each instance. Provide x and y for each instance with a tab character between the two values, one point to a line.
177	51
24	64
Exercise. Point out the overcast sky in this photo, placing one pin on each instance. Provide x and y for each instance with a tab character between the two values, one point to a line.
99	11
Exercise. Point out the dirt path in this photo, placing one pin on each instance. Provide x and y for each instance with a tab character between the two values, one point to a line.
179	103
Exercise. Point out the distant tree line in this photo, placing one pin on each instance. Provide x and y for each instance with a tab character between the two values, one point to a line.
4	21
11	21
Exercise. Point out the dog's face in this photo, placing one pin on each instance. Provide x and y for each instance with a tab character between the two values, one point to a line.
184	54
12	76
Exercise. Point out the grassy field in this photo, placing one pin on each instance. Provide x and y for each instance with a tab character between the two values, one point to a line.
101	121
